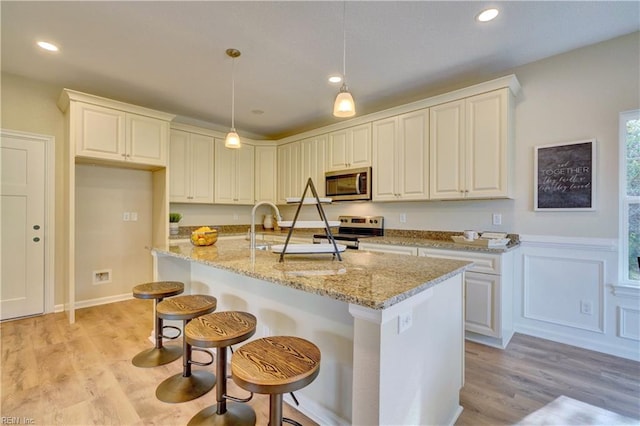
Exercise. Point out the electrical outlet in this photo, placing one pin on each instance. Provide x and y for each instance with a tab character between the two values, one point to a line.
586	307
235	216
126	216
405	321
497	219
134	216
102	277
403	218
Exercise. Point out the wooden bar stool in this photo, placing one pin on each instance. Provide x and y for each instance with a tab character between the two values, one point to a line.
275	366
187	385
220	330
158	355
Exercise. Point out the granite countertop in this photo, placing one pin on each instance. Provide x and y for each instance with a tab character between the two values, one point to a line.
373	280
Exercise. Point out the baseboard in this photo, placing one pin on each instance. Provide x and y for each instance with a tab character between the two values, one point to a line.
96	302
489	341
314	411
571	340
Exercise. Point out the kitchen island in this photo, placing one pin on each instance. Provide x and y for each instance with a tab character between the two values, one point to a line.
390	327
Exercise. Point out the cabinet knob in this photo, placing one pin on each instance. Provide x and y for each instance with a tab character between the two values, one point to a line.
36	227
36	239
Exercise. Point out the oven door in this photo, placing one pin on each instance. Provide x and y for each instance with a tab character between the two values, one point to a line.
345	185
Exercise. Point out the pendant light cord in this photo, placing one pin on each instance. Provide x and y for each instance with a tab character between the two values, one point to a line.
233	92
344	42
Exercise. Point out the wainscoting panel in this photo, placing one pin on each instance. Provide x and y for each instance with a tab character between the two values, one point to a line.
567	290
564	291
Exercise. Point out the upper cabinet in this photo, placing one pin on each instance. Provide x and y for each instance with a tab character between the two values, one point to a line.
312	163
190	167
289	171
349	148
234	174
111	131
401	157
471	147
266	173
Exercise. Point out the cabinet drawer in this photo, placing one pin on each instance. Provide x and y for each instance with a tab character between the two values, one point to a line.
482	262
387	248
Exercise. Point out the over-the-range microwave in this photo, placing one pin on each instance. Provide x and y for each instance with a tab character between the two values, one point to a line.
349	185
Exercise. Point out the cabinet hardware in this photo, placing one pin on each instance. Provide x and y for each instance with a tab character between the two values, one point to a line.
36	227
36	239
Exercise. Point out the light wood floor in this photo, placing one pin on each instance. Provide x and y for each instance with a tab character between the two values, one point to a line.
81	374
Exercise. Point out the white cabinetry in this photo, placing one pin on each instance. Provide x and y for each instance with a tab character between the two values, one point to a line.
488	294
266	173
190	167
388	248
471	147
312	163
349	148
234	174
110	134
289	180
401	157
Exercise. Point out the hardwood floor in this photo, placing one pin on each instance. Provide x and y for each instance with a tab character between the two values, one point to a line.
81	374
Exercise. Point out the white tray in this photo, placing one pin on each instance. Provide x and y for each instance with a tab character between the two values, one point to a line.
481	242
307	223
307	248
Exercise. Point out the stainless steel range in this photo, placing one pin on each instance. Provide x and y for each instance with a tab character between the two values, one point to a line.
354	228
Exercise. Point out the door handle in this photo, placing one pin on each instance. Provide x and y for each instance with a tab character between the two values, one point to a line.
36	227
36	239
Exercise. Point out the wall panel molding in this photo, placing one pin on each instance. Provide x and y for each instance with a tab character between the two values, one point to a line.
628	323
569	243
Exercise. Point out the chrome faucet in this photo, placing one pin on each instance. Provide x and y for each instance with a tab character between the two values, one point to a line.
253	221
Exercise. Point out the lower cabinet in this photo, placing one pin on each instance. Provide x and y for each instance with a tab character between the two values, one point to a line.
488	289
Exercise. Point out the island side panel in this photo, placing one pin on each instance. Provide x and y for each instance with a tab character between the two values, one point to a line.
281	310
413	377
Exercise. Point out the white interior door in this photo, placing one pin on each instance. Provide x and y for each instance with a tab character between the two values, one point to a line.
22	207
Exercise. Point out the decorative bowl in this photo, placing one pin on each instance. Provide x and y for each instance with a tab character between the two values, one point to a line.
204	236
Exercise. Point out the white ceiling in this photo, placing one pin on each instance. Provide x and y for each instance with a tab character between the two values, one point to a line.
171	55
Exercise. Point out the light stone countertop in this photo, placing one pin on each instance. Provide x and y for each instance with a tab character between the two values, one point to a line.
373	280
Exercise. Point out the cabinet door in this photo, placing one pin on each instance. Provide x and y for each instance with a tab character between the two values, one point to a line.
337	151
289	184
359	146
146	140
99	132
385	138
482	303
412	149
446	154
179	167
245	175
312	163
201	167
224	170
389	248
266	180
487	145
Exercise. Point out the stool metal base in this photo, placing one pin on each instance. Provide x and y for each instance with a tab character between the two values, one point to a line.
236	414
178	388
154	357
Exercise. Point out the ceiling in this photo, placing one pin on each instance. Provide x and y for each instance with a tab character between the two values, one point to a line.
170	55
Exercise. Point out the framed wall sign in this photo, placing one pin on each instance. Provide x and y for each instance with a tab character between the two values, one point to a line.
565	176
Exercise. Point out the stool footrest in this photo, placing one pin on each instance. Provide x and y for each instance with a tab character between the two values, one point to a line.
202	364
174	328
236	399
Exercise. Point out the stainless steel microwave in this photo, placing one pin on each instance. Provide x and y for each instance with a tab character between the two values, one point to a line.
349	185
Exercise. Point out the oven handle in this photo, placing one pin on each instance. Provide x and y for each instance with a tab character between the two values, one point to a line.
358	183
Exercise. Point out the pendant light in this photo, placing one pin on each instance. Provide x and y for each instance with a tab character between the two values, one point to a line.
344	106
232	140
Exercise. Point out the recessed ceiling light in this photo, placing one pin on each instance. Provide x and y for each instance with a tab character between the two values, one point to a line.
487	15
335	79
48	46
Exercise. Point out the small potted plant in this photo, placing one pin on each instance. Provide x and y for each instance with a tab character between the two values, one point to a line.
174	218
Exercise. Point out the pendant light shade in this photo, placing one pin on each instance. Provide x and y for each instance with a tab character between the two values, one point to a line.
232	140
344	106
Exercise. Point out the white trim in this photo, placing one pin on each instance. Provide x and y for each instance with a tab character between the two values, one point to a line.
49	211
629	291
315	411
569	243
96	302
622	329
381	316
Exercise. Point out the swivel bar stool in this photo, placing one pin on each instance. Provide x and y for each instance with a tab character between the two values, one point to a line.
274	366
159	354
187	385
221	330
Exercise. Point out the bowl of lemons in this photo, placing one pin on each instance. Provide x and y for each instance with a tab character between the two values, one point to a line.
204	236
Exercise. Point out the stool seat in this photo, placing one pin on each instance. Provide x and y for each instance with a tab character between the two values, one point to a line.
275	365
186	386
186	307
159	354
158	290
220	330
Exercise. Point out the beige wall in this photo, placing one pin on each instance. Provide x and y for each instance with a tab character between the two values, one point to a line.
568	97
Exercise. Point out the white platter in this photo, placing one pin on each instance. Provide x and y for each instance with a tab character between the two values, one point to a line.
307	248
